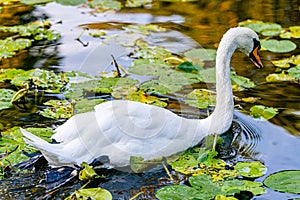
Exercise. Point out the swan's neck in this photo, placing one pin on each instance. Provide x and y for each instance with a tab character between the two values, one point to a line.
220	120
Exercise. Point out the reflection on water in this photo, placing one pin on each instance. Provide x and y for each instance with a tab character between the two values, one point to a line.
205	22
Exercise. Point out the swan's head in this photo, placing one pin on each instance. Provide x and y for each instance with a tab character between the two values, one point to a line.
245	40
248	42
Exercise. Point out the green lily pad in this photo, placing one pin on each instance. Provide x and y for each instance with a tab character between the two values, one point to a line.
295	72
180	192
145	29
58	109
260	111
250	169
204	184
239	83
103	5
265	28
86	105
197	56
284	181
189	67
231	187
201	98
12	146
91	193
278	46
102	86
6	96
9	47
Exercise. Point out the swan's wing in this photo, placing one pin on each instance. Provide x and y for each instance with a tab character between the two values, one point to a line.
71	129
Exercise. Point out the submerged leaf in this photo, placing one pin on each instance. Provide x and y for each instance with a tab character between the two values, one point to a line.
278	46
284	181
260	111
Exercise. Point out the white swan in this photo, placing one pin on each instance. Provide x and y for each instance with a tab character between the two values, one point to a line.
120	129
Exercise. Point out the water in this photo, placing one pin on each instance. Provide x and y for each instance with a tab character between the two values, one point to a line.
194	24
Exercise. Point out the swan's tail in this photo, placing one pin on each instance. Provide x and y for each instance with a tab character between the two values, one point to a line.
52	152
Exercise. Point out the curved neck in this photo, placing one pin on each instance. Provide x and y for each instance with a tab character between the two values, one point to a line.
223	113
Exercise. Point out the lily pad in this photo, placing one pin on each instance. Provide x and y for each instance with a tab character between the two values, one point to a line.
197	56
189	67
58	109
86	105
9	47
6	96
265	28
91	193
180	192
260	111
230	187
12	146
278	46
201	98
294	32
250	169
280	77
295	72
284	181
239	83
103	5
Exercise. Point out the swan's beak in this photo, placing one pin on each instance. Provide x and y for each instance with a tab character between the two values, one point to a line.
255	57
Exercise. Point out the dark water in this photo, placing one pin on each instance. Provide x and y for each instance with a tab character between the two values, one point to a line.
194	24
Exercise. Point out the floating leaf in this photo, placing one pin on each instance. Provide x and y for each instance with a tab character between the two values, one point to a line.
189	67
250	169
137	3
12	146
145	29
6	96
260	111
294	32
201	98
265	28
9	47
91	193
204	184
197	56
231	187
240	82
87	172
85	105
278	46
284	181
152	52
279	77
180	192
295	72
58	109
103	5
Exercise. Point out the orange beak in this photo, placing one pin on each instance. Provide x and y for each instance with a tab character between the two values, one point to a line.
255	57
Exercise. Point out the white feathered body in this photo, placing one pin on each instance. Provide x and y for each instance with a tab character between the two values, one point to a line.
120	129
